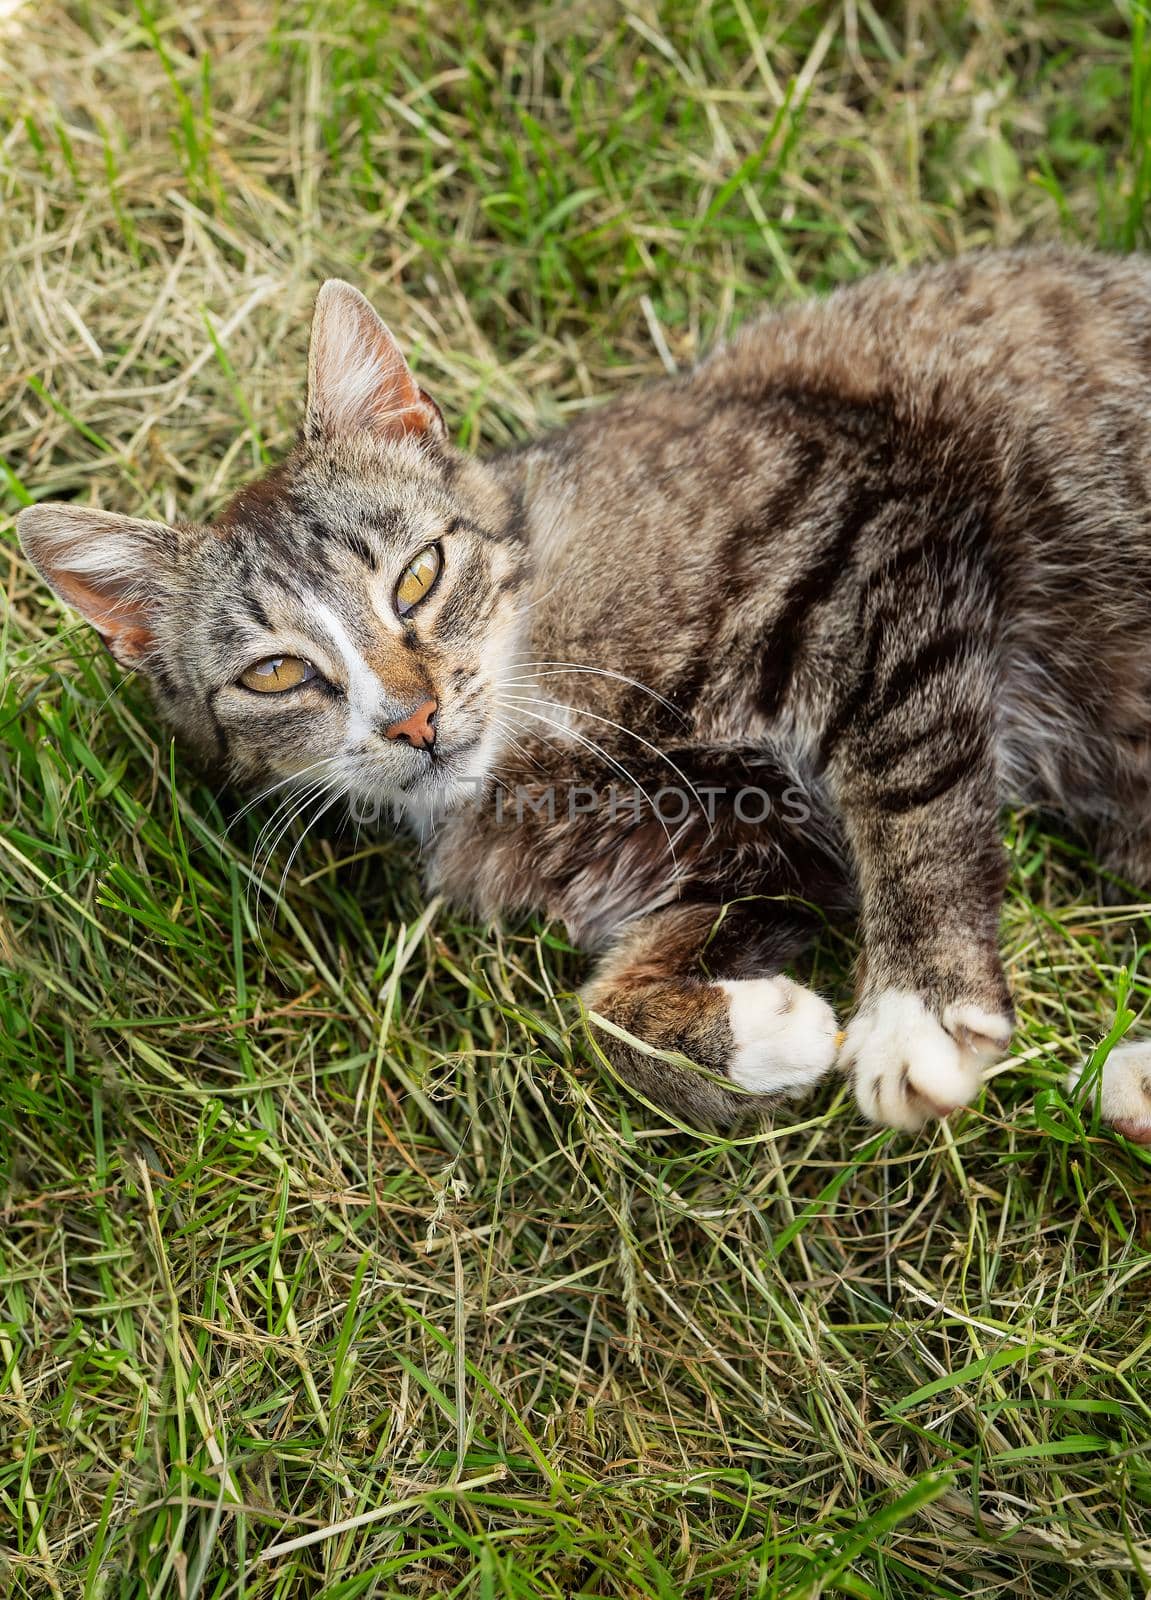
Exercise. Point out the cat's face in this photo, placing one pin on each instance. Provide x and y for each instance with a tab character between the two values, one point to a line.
347	621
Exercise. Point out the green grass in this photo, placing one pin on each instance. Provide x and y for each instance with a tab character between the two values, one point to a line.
337	1228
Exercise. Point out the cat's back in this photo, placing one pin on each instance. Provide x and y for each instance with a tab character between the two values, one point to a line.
1011	388
683	532
1014	382
1017	361
1039	327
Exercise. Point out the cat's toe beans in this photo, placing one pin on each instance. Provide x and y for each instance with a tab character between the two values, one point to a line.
909	1066
1124	1090
784	1035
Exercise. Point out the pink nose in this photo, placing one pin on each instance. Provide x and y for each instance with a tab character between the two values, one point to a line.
418	730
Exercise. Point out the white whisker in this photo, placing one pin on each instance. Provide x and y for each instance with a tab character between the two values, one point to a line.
557	669
293	777
615	765
326	805
579	711
505	728
272	832
539	600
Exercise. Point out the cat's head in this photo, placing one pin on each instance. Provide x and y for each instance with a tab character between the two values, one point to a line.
348	618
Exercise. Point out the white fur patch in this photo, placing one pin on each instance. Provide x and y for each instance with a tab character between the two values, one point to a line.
365	691
908	1066
784	1034
1124	1090
986	1033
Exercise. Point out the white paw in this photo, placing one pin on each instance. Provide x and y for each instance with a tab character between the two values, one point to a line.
1124	1091
784	1034
909	1066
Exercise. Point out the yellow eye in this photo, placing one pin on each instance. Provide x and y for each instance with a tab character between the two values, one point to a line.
419	580
277	673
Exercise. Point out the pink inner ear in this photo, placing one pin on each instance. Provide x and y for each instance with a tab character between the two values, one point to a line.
122	625
396	406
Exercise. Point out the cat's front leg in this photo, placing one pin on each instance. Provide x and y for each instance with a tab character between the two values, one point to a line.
909	757
913	1058
934	1006
703	981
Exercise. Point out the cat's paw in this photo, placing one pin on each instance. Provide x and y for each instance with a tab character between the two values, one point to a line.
785	1035
1124	1090
909	1065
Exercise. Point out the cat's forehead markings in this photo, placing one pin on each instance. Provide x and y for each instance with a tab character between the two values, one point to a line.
259	508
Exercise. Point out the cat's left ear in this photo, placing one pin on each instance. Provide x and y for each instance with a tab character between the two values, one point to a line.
116	571
358	380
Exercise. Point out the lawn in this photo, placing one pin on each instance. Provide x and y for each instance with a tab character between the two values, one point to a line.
333	1262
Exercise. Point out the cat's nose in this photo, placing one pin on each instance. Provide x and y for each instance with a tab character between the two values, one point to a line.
418	730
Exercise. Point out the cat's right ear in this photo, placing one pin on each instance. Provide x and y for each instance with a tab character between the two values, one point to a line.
358	380
116	571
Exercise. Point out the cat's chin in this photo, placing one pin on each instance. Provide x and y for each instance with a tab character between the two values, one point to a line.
453	781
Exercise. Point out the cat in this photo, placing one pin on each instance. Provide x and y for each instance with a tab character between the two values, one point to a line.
767	642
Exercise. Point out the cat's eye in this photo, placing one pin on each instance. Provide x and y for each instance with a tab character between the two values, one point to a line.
419	579
276	673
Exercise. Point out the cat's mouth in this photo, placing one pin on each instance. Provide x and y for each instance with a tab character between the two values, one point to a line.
442	762
429	782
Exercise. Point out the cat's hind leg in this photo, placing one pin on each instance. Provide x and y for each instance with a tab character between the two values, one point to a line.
673	981
1124	1090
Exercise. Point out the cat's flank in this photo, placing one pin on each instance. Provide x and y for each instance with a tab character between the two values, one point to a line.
788	629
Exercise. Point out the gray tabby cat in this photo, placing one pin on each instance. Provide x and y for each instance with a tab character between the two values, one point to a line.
883	562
